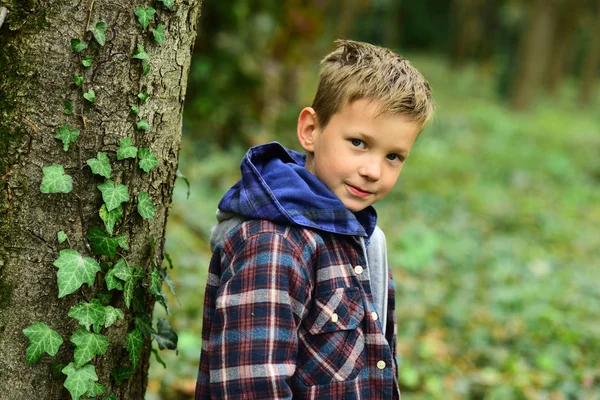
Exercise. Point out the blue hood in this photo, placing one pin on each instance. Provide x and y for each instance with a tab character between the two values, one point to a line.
275	186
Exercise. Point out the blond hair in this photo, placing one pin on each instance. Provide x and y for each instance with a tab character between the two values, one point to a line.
355	70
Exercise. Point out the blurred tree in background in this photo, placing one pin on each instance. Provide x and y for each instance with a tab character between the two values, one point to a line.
493	230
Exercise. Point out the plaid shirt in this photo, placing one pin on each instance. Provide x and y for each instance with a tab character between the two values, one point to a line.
288	313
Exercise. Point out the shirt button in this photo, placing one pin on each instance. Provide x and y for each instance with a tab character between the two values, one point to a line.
381	364
374	316
358	269
334	318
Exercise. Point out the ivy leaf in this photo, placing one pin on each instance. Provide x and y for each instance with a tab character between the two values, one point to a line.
134	343
112	395
90	96
168	281
110	218
113	194
169	260
155	282
95	390
68	107
67	136
168	3
87	61
135	110
78	45
122	270
88	345
162	300
144	325
123	241
62	236
112	314
89	314
102	244
140	53
112	282
42	339
99	32
145	67
143	125
100	165
73	271
137	273
160	360
145	206
126	149
105	298
130	275
79	380
143	97
159	34
147	160
121	374
55	180
166	336
144	15
128	290
78	80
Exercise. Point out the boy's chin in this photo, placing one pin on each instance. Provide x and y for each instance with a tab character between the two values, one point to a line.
354	208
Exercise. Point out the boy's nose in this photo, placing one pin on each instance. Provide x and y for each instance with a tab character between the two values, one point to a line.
370	170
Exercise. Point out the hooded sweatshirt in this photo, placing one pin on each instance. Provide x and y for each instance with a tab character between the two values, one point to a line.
275	187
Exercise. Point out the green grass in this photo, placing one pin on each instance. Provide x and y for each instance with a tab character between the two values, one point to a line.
493	238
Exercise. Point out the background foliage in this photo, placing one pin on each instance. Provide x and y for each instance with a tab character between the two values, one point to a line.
493	228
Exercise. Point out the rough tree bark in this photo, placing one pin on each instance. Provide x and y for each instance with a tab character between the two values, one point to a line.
36	76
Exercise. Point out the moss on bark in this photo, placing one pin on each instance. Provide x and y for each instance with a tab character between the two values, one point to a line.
24	14
6	291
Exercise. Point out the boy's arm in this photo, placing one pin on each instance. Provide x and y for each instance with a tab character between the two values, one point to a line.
259	304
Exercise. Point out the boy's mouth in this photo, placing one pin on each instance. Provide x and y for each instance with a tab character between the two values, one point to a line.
358	192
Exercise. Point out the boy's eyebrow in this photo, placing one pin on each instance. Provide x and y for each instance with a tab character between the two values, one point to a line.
400	151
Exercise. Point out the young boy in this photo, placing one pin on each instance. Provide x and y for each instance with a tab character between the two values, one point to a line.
300	301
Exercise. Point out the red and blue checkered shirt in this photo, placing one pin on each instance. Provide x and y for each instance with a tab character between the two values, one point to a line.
289	313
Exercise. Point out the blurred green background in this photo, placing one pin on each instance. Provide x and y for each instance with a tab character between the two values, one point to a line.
493	229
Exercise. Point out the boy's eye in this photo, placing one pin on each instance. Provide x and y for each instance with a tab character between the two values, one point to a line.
394	157
358	143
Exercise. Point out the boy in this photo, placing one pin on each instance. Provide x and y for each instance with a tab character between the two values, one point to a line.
299	301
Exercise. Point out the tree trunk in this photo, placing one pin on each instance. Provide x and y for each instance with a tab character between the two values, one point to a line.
589	74
534	51
466	20
37	68
567	19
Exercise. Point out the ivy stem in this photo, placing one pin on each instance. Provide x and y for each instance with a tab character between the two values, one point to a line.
89	16
126	222
81	217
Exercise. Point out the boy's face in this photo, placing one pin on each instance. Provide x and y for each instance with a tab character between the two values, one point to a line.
359	154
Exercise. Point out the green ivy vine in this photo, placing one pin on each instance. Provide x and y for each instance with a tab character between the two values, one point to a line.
94	316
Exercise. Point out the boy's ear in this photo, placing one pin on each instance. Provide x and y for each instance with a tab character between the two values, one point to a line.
307	125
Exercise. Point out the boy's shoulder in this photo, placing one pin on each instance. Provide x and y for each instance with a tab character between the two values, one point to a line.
243	229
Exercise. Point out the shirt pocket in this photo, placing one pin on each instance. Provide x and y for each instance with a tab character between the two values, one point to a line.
331	344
